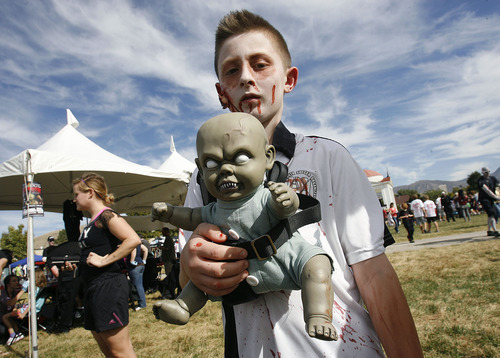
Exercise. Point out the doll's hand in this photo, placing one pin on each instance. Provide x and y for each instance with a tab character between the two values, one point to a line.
161	212
286	201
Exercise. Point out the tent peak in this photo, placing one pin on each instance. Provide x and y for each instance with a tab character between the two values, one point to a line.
172	145
71	119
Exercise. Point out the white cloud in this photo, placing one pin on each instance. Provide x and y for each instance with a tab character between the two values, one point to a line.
403	85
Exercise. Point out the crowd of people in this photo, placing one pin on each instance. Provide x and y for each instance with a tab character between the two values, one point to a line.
448	207
254	72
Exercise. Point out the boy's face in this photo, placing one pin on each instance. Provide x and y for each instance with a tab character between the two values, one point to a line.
233	156
253	78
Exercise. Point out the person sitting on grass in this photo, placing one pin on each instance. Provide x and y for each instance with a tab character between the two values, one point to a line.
9	297
233	157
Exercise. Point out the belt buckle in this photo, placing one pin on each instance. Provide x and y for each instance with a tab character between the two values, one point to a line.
252	243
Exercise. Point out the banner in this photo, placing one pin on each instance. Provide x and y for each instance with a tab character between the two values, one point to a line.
32	200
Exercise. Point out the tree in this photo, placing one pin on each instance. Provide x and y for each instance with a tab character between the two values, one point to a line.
408	192
433	194
472	181
16	241
149	234
62	237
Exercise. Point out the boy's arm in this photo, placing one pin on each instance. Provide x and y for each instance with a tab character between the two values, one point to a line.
285	201
180	216
382	293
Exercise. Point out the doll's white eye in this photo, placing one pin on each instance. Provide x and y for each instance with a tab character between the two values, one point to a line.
210	164
241	158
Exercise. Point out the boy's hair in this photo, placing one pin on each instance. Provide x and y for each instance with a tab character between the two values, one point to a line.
242	21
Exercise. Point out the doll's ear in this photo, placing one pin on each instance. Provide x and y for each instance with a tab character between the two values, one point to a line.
200	169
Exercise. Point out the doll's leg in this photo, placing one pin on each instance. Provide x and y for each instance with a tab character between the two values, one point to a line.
317	298
178	311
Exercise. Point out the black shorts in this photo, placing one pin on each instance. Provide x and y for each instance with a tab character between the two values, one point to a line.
106	303
488	208
431	219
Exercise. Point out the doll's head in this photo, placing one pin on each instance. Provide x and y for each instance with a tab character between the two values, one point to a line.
233	155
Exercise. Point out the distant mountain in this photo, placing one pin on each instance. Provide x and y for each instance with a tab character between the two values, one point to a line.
422	186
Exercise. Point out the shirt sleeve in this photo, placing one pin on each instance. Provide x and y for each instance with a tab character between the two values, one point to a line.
358	221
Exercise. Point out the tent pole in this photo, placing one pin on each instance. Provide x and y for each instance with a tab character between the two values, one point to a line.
31	272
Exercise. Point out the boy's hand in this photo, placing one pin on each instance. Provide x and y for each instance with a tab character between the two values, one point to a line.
205	262
161	211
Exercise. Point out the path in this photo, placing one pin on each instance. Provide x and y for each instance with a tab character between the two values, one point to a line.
439	241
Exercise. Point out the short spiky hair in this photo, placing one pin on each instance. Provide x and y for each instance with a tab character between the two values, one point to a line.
242	21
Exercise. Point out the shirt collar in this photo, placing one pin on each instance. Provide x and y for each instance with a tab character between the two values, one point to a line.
284	141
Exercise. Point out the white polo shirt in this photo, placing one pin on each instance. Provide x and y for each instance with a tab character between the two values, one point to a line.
351	230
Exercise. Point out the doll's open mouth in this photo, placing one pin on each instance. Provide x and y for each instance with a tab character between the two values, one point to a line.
229	186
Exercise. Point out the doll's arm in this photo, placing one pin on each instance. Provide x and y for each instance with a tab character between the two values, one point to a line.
285	201
180	216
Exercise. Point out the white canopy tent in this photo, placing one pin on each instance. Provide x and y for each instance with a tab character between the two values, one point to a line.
67	155
175	160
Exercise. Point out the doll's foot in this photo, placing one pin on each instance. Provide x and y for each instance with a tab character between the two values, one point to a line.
172	311
320	328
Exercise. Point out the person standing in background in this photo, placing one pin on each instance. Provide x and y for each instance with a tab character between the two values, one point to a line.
487	185
463	204
439	207
418	209
448	209
431	214
406	218
136	265
393	211
167	251
107	239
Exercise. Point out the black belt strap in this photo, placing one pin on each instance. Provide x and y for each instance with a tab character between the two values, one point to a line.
230	338
263	247
266	245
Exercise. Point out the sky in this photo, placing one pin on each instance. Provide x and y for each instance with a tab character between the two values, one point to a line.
409	87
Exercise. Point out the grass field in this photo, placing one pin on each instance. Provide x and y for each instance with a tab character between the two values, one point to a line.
453	293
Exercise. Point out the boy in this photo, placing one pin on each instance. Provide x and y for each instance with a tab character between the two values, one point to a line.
233	157
254	69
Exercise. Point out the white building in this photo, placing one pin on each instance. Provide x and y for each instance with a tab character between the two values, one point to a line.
382	186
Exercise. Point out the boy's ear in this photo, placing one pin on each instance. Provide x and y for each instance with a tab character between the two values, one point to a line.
218	88
292	75
224	101
270	156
